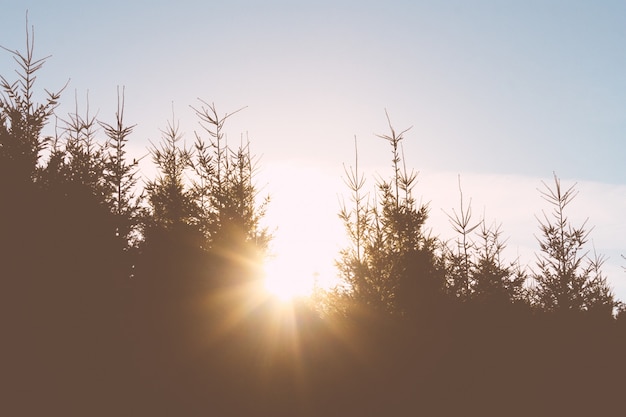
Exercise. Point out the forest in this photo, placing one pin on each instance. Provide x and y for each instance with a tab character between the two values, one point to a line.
130	296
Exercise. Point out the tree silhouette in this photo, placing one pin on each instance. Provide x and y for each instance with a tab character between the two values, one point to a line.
493	280
21	119
172	204
226	195
475	270
459	267
59	298
567	280
390	260
352	266
121	178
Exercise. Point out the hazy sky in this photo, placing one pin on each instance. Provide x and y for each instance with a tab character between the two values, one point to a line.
501	92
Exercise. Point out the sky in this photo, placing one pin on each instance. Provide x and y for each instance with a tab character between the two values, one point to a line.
500	93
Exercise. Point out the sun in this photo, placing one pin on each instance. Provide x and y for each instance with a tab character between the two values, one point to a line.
286	279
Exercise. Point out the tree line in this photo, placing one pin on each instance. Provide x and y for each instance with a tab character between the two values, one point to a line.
126	299
393	265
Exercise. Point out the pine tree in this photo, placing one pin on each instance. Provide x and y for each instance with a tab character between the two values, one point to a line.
79	160
493	280
171	202
365	253
390	262
122	197
22	120
458	261
474	268
567	280
121	178
24	216
224	190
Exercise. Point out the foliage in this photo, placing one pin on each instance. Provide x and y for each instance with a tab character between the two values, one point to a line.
21	119
224	186
567	280
459	267
493	280
389	251
171	202
474	269
121	178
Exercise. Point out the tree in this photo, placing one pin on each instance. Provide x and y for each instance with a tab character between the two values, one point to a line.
567	280
390	261
458	261
493	280
224	183
23	215
121	178
172	204
21	119
77	161
352	267
57	253
474	269
225	192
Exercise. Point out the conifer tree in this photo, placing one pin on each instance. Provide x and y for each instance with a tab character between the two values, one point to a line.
225	193
357	222
458	261
390	265
567	280
224	182
24	216
122	199
22	119
121	178
171	202
493	280
79	160
474	268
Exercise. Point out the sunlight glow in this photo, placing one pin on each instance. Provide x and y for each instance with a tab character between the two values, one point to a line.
286	280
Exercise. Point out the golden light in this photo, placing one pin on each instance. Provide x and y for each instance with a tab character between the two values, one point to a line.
307	234
286	279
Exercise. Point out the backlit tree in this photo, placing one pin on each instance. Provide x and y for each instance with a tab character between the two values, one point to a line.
567	279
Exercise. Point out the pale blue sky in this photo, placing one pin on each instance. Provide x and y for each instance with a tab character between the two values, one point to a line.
491	86
494	89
